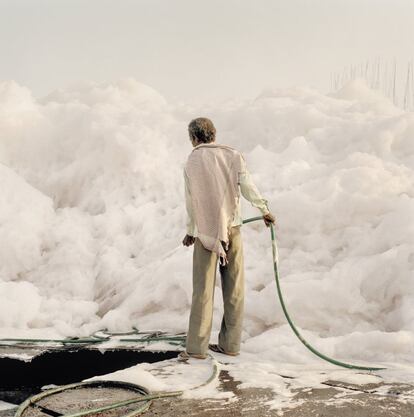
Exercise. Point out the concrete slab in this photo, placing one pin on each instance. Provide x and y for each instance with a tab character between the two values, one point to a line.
360	401
337	399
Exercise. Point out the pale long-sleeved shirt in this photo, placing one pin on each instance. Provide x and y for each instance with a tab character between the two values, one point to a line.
248	190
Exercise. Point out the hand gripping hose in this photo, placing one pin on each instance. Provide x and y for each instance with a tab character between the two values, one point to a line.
289	320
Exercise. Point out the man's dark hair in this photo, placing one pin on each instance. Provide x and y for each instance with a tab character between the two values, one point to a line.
202	130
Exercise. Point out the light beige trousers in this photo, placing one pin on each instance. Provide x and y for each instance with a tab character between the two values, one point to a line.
232	283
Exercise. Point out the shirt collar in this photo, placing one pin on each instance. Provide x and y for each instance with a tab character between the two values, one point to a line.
207	144
212	145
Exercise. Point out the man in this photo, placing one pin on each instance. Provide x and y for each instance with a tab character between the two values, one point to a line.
215	175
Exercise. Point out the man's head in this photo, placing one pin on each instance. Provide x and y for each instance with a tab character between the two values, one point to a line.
201	130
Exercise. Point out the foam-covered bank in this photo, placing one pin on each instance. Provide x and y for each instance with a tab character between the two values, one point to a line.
92	216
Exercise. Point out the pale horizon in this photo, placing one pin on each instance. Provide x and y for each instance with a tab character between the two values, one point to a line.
187	52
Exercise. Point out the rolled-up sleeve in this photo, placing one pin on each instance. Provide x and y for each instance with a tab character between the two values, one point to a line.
190	225
250	192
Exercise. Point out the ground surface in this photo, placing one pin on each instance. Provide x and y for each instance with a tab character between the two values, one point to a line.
337	399
361	401
358	401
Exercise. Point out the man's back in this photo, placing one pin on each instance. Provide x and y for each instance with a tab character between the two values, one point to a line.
212	174
210	164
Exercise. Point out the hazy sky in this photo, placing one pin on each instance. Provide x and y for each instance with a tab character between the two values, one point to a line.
191	48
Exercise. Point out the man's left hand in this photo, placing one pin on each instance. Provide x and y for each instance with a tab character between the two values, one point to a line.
188	240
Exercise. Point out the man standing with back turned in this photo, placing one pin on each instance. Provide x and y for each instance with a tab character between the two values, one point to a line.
214	175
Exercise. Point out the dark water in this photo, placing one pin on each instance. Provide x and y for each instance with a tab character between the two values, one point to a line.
19	379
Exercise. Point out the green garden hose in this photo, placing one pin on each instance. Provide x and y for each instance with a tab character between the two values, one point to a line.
289	320
146	337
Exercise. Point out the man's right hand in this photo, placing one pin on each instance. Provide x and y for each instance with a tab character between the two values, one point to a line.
268	219
188	240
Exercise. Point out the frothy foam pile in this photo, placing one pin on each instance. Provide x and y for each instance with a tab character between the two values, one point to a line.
92	215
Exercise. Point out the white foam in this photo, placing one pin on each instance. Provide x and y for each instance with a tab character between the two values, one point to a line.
92	216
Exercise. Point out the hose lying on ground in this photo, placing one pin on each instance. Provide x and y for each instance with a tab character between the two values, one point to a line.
147	396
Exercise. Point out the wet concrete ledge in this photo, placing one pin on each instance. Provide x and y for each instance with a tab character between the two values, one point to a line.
356	400
20	379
